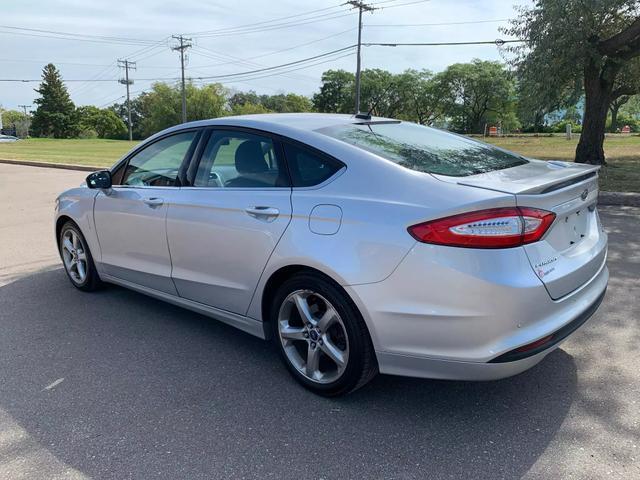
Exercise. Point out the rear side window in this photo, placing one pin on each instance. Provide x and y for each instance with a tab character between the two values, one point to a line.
425	149
307	167
234	159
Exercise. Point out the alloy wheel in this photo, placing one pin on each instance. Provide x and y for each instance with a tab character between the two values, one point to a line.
74	255
313	336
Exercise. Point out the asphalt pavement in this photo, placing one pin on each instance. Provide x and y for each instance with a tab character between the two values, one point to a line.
116	385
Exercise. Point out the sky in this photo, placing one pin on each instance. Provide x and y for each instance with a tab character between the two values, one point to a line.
230	37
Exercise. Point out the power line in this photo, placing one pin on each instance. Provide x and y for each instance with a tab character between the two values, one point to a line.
247	25
78	37
86	85
203	80
499	42
282	65
442	24
405	4
208	53
266	75
20	60
160	43
268	24
333	35
314	20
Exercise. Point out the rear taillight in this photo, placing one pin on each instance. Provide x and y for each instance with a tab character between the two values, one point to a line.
492	228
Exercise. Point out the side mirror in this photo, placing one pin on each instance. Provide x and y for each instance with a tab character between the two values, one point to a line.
100	179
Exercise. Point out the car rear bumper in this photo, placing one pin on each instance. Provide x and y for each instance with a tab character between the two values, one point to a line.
460	314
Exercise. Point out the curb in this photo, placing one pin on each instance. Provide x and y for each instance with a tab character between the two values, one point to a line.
64	166
627	199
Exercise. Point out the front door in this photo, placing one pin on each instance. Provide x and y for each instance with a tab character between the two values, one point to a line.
223	229
131	218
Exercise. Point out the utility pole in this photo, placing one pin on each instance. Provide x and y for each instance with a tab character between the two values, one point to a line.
27	121
184	44
362	7
127	65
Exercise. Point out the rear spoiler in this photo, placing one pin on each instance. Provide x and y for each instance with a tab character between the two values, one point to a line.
566	183
529	179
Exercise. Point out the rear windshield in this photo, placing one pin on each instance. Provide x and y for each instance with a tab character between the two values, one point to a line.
425	149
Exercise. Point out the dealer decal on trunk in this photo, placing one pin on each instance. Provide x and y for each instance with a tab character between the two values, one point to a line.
540	267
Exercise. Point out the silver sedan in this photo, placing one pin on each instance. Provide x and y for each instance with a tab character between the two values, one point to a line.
358	244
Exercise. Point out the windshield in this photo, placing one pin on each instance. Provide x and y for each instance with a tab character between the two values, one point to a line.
425	149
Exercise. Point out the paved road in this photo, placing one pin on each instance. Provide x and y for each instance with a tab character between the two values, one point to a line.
116	385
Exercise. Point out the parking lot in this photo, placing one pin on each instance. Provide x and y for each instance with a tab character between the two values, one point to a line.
117	385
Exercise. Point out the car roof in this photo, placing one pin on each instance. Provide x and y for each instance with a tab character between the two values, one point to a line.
283	123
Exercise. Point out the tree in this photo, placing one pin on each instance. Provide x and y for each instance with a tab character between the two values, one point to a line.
138	113
614	108
55	115
419	97
16	122
239	99
162	105
631	109
378	93
104	122
10	117
286	103
572	42
248	109
627	84
477	93
336	93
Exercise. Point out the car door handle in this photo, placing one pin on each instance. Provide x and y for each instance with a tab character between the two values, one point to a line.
268	214
153	201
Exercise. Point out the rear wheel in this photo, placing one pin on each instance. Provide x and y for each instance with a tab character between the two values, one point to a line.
321	335
77	259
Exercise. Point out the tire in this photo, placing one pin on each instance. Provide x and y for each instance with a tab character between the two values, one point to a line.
330	352
76	258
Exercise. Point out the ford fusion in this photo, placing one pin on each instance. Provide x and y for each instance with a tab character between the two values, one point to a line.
357	244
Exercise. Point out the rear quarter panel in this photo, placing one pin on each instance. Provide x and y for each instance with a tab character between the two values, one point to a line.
379	200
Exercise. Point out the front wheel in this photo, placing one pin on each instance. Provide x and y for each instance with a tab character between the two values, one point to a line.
77	259
321	335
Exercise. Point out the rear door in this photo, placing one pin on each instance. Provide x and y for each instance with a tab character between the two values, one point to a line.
223	228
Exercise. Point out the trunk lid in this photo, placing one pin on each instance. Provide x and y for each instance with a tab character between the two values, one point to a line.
574	248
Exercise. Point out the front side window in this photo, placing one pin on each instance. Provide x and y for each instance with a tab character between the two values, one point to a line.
234	159
157	165
425	149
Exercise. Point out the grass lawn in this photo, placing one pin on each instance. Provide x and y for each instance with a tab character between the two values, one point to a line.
621	174
101	153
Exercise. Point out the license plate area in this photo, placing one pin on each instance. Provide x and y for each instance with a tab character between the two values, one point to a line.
571	228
